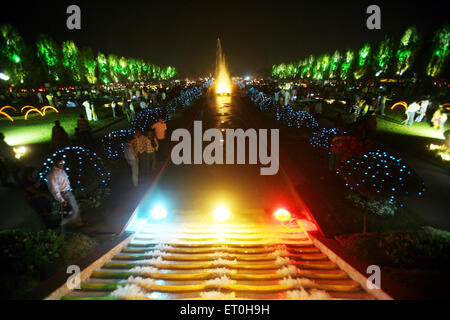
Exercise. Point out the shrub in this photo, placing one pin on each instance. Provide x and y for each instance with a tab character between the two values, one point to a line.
383	208
35	253
321	138
380	176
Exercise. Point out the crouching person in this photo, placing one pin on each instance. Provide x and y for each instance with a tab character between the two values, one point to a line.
59	186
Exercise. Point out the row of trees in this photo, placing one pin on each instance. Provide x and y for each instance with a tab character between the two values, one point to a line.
47	61
389	59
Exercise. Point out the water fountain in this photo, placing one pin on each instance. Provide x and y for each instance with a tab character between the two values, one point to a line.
223	81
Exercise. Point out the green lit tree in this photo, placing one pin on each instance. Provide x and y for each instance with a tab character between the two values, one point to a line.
347	64
363	61
334	65
49	55
123	68
407	50
89	65
439	56
103	68
383	57
12	51
114	68
71	60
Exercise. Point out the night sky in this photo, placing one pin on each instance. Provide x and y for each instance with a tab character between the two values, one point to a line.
255	34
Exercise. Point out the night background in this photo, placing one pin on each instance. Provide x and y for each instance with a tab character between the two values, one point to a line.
255	34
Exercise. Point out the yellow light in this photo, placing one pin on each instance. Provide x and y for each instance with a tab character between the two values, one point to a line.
221	213
282	215
400	103
19	152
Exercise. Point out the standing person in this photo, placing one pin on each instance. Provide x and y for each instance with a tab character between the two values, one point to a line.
84	132
276	96
126	109
40	98
336	149
113	108
318	108
59	185
132	159
163	96
152	147
140	148
49	97
132	111
87	108
60	138
286	97
94	114
160	131
411	112
423	110
383	104
437	117
7	161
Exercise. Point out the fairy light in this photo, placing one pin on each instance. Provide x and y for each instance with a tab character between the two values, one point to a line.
82	166
321	138
381	175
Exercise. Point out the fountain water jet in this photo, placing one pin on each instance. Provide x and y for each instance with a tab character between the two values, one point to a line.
223	80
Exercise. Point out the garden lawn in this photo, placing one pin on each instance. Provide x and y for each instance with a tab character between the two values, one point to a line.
38	129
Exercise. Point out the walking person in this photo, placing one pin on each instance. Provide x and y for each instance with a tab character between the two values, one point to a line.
160	131
411	112
140	148
59	185
423	110
132	159
152	148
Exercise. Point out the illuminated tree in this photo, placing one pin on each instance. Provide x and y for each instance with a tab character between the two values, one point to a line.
383	56
317	69
49	54
114	69
307	70
407	50
441	43
334	64
89	65
123	68
363	61
12	50
132	73
103	69
72	60
347	64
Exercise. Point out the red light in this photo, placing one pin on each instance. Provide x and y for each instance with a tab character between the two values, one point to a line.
282	215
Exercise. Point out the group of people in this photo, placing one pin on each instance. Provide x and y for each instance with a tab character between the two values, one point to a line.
140	150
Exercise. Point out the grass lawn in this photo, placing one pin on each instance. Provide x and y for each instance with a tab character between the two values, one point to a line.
38	129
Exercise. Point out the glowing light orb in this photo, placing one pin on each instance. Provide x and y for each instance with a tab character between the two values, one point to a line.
221	213
158	213
282	215
19	152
